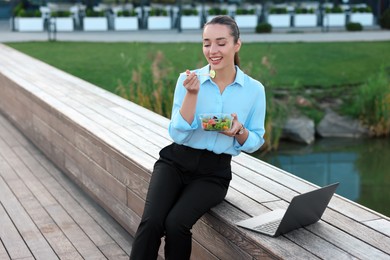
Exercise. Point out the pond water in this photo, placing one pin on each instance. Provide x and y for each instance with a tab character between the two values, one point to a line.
362	166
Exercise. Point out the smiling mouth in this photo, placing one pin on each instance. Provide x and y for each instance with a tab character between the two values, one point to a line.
216	59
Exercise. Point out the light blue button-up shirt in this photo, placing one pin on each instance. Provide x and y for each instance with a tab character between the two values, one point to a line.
245	97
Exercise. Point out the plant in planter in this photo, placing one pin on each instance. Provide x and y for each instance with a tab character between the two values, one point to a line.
279	17
334	16
217	11
95	21
127	13
243	11
189	12
158	19
362	15
28	19
278	10
305	17
190	19
63	20
126	20
246	18
214	11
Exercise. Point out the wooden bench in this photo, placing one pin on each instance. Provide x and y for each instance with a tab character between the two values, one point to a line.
108	146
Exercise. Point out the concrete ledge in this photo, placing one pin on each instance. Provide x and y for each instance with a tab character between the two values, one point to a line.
108	146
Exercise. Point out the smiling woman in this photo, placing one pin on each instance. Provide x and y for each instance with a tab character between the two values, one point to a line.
196	168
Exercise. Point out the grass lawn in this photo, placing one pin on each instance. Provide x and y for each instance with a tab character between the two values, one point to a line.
298	65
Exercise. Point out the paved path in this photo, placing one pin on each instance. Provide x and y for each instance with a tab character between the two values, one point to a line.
279	35
44	215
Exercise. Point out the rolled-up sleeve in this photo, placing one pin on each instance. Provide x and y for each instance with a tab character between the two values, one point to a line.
179	129
255	125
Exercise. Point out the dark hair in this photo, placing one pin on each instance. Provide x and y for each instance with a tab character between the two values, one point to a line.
234	31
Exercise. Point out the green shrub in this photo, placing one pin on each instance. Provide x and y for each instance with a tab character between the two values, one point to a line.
353	27
28	13
264	28
384	20
61	14
17	9
335	9
278	10
93	13
126	13
217	11
366	9
304	10
243	11
188	12
158	12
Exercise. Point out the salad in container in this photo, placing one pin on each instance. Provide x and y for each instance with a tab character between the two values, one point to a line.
216	122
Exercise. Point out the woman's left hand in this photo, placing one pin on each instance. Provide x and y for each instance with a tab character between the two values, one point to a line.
236	126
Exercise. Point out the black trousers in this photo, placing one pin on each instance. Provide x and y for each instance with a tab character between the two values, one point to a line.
185	184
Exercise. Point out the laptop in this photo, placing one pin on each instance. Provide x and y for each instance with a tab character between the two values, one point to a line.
304	209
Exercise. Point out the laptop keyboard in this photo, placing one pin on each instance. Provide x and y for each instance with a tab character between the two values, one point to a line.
269	228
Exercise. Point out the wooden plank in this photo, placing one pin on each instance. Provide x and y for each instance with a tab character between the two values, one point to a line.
252	191
74	233
264	182
94	231
358	230
9	235
3	253
25	227
355	247
121	236
316	244
259	246
381	225
221	247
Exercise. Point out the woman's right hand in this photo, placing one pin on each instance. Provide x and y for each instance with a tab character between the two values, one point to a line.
191	83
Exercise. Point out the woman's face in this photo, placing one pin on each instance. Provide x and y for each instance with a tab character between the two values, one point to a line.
218	46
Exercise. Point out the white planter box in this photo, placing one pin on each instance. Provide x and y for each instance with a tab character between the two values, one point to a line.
125	23
95	24
334	19
305	20
64	24
190	22
29	24
279	20
365	19
159	22
246	21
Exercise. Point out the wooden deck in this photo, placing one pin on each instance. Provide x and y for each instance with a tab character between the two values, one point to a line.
44	215
108	146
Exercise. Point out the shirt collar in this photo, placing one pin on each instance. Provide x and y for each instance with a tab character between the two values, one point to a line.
206	70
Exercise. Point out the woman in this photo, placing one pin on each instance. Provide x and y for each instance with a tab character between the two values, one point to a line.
193	174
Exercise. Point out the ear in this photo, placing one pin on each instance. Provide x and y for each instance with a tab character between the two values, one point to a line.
237	46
